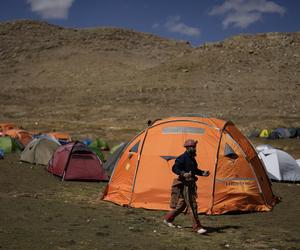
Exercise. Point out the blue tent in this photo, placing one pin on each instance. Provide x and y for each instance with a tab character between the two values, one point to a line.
1	154
283	132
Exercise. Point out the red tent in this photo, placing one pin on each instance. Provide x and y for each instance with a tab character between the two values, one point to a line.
75	161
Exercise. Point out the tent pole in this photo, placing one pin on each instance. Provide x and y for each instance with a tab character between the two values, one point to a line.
137	165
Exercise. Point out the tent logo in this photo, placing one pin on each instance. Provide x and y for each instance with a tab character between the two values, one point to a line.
238	183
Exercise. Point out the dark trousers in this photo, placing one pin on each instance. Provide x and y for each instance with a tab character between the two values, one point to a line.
186	199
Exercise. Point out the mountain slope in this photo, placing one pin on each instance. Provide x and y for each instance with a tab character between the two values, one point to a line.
111	81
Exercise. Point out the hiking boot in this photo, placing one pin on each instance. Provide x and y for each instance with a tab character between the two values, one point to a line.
170	224
201	231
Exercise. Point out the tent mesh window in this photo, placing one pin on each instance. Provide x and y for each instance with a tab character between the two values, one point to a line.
229	152
182	130
87	157
135	148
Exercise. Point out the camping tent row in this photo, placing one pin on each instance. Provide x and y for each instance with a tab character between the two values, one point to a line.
25	136
10	129
40	150
13	138
142	174
278	133
280	165
72	161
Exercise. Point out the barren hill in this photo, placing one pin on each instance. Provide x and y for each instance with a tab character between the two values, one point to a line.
111	81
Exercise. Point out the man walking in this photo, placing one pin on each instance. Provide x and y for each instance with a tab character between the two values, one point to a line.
184	189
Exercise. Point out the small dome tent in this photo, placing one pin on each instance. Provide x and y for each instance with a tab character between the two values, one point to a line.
62	137
280	165
283	132
22	135
39	151
293	132
75	161
265	133
111	161
142	175
97	146
8	144
263	147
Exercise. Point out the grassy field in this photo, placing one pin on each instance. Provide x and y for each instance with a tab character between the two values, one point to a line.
38	211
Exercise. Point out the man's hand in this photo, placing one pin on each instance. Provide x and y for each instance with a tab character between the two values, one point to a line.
187	175
206	173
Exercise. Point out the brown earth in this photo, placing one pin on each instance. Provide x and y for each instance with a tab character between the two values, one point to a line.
107	82
38	211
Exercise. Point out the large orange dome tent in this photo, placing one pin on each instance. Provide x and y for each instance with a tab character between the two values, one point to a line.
142	176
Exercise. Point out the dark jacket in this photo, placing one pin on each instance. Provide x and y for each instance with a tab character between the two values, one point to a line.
184	164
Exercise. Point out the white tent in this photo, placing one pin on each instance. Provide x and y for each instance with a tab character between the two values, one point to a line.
263	147
280	165
39	151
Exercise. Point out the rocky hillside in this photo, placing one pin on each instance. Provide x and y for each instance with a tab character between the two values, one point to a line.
111	81
21	40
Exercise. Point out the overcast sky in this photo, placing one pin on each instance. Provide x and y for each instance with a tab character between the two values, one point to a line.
196	21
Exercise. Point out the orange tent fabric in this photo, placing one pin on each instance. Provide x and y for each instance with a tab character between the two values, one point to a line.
22	135
7	126
60	136
143	173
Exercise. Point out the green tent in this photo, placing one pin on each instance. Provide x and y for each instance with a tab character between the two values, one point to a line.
98	152
9	144
116	147
99	143
97	146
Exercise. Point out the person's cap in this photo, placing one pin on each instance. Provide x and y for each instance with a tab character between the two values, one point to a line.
190	143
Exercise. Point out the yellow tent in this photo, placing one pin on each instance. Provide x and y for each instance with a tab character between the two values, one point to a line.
265	133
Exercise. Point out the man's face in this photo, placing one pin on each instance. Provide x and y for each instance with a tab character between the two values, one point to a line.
191	151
